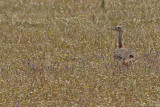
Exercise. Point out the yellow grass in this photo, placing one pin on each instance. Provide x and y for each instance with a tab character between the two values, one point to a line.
60	53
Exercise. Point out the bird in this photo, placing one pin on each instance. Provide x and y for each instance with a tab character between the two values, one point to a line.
123	56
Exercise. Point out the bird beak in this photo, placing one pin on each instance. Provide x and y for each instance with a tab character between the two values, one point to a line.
111	28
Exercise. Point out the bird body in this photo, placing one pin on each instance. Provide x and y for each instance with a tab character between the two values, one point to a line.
124	55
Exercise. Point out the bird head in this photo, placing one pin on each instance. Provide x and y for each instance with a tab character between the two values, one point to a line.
117	28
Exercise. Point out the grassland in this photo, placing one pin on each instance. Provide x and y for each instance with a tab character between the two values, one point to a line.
60	53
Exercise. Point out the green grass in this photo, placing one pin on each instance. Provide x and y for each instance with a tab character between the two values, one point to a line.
61	53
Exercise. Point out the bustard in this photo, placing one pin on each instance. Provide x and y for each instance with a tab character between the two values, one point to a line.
123	56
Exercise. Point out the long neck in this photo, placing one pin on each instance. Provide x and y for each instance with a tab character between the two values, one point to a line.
120	39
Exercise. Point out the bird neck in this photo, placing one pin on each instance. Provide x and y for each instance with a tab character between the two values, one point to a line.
120	40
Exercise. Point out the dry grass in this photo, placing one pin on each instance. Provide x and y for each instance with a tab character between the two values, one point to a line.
59	53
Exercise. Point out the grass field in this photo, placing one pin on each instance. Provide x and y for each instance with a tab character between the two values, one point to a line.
60	53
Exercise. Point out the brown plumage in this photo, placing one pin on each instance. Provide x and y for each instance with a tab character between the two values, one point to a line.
123	56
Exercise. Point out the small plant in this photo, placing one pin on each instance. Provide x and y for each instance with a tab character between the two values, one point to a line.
102	4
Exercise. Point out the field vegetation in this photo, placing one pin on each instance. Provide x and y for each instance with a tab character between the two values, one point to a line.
60	53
